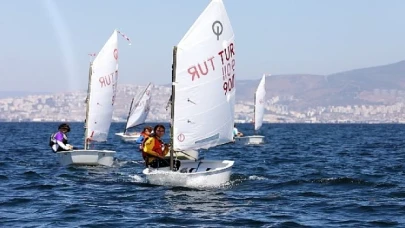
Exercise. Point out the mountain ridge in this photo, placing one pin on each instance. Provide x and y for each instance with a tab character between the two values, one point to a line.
381	84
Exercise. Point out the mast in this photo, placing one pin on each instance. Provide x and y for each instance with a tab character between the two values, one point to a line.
172	106
87	107
129	114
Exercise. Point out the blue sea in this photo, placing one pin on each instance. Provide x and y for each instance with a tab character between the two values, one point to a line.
306	175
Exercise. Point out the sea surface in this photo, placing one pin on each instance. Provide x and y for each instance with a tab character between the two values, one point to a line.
305	175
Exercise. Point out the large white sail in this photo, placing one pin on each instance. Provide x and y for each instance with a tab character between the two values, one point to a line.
103	85
140	110
259	103
204	95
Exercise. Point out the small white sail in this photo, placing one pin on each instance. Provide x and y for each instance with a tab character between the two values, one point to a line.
258	114
140	110
103	85
260	96
205	82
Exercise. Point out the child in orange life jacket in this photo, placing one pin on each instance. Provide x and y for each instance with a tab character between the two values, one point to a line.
155	150
144	134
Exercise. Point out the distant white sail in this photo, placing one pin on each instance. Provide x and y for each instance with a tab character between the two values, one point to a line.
140	110
204	95
103	86
259	103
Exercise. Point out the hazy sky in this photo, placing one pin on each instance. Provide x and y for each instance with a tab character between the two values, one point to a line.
44	43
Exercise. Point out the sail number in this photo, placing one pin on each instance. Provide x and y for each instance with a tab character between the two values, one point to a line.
228	68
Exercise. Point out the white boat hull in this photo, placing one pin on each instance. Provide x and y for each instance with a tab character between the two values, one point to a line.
187	155
253	139
203	173
86	157
125	137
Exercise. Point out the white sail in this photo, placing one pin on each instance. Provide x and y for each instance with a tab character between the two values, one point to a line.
103	85
259	103
204	95
140	110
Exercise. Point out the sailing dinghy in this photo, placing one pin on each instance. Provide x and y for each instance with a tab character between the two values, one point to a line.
138	112
203	100
260	96
103	75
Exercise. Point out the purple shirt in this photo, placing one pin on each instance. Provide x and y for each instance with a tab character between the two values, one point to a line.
59	136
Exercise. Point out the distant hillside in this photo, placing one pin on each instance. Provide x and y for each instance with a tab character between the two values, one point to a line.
374	85
391	76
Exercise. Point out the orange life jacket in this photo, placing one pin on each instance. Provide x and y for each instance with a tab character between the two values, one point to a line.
157	147
142	145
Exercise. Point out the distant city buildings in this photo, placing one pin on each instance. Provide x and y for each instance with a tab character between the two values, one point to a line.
71	107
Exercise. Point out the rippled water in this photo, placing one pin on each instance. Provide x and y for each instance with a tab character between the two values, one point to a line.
304	176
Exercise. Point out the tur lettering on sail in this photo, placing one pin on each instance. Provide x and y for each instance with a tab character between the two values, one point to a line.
110	80
201	69
228	67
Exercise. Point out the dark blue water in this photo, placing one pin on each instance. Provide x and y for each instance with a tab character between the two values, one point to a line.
304	176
